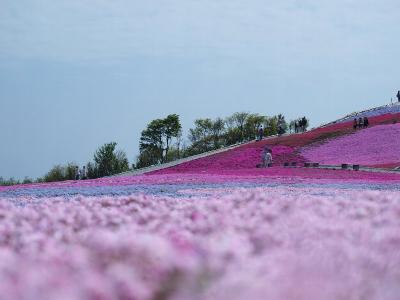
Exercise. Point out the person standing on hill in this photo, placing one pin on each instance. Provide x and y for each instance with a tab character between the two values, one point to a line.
360	122
398	96
84	173
260	133
355	124
266	157
366	122
77	175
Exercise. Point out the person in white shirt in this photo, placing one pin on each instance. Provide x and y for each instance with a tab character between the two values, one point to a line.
267	157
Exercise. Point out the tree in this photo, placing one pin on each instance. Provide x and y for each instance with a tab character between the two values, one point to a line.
60	173
145	159
207	135
108	161
172	128
155	140
201	136
10	181
104	159
271	126
69	172
57	173
121	162
27	180
253	123
238	120
151	142
282	125
91	171
218	128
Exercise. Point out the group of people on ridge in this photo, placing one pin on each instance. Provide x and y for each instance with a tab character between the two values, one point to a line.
260	131
80	174
300	125
360	122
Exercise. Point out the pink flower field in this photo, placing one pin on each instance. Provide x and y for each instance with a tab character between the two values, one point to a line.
216	227
379	145
262	243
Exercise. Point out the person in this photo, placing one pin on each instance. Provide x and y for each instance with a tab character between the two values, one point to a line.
260	133
398	96
266	157
360	122
280	131
296	127
269	158
84	173
355	124
77	173
366	122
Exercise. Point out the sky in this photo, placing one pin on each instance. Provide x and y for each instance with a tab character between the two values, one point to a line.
75	74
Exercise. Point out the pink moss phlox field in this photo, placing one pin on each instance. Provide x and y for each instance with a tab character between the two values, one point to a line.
267	175
330	131
243	157
284	149
272	243
373	146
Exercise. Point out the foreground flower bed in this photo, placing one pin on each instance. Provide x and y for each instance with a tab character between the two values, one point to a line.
379	145
153	184
265	243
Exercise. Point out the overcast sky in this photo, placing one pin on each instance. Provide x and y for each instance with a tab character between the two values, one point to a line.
75	74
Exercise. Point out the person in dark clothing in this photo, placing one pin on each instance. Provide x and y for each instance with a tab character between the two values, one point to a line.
355	124
398	96
360	122
84	173
260	133
77	175
366	122
301	125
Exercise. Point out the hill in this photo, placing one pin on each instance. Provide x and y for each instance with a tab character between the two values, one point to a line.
336	143
216	227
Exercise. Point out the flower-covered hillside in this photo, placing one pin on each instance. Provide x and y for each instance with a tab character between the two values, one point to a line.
284	149
375	146
378	111
244	157
321	134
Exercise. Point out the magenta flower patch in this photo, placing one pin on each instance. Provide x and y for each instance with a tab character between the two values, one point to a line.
377	145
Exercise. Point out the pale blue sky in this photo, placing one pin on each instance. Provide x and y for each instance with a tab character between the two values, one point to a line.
75	74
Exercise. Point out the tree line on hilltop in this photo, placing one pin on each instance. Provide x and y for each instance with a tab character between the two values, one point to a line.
107	161
161	141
